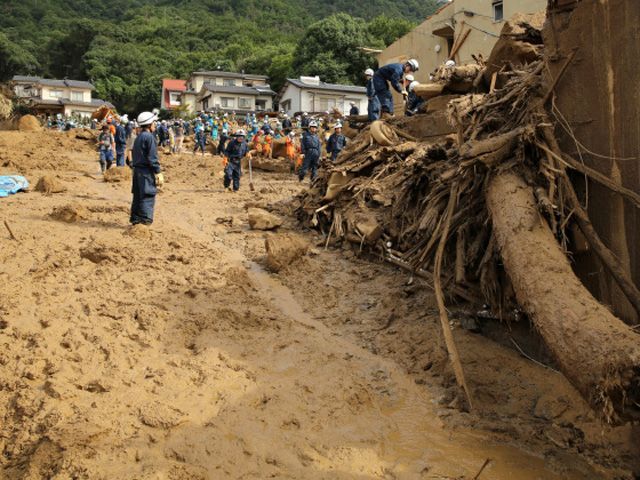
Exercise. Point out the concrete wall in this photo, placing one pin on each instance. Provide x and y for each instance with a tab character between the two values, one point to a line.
432	49
599	95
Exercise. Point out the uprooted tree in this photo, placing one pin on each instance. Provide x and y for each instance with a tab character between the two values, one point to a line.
489	212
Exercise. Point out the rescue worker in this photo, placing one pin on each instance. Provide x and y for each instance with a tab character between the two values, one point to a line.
373	107
337	141
235	152
304	124
200	139
222	144
147	173
287	125
121	143
414	102
311	149
107	148
391	74
179	134
354	110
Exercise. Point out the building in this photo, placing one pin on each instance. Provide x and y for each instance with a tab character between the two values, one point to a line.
171	93
309	94
432	42
67	97
227	91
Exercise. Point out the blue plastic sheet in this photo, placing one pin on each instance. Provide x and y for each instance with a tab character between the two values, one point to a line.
10	184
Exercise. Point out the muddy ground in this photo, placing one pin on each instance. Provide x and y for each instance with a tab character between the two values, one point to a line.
170	353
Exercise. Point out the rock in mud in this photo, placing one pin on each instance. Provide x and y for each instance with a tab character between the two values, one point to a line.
49	184
139	231
260	219
283	250
117	174
70	213
157	415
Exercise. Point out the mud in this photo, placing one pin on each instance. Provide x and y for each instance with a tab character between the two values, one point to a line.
169	352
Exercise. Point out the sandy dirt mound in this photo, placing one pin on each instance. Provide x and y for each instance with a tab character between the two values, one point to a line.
117	174
29	123
70	213
49	184
6	106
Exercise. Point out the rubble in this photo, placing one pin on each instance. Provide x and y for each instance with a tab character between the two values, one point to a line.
464	205
260	219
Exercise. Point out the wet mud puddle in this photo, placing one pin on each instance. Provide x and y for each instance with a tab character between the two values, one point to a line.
412	440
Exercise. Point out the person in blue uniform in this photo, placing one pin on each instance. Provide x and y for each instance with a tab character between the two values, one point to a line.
337	141
373	106
414	102
391	74
147	173
311	149
235	152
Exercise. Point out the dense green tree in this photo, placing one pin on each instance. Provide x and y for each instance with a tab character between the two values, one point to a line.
126	47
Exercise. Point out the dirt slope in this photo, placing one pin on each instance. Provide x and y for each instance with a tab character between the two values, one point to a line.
170	353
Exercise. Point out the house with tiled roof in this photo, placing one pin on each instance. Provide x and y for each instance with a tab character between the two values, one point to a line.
310	94
50	96
228	92
172	90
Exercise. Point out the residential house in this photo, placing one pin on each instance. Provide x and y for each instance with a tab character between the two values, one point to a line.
309	94
171	93
48	96
432	41
227	91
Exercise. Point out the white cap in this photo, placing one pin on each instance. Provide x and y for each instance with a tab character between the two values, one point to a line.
146	118
337	125
313	123
240	133
409	78
415	66
450	63
412	85
369	72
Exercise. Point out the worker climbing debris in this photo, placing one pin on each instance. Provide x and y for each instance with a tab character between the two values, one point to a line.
147	173
392	75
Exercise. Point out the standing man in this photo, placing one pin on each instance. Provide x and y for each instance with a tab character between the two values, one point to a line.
391	74
147	174
121	143
311	148
235	152
373	107
304	124
222	144
107	147
286	124
354	110
337	141
200	139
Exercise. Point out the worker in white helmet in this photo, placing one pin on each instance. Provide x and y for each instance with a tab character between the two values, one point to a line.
373	106
336	143
414	102
147	173
392	74
311	149
235	152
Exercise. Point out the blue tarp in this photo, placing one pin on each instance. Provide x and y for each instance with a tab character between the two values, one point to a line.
12	184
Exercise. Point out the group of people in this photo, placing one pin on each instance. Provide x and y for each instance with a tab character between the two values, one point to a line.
136	142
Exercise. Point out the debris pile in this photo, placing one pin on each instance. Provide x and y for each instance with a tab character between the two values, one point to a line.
489	213
6	106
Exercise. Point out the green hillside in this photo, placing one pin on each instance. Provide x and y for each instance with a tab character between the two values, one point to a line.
125	47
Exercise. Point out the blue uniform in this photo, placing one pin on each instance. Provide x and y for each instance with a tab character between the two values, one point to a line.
121	143
414	102
373	108
354	111
335	144
389	74
145	165
311	148
235	152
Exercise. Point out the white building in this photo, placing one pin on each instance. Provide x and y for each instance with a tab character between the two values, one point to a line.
68	97
309	94
228	91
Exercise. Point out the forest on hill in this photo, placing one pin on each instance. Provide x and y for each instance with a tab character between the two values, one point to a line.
125	47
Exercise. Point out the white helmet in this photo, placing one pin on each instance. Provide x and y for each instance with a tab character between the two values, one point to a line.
240	133
337	125
450	63
409	78
369	72
415	66
146	118
412	85
313	123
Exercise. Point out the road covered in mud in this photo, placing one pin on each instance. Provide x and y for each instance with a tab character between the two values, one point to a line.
171	353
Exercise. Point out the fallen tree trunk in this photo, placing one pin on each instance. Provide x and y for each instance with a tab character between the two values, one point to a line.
596	351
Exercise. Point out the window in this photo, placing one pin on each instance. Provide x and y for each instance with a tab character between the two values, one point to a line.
77	96
174	98
227	102
229	82
55	93
327	103
498	11
205	104
261	105
244	103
